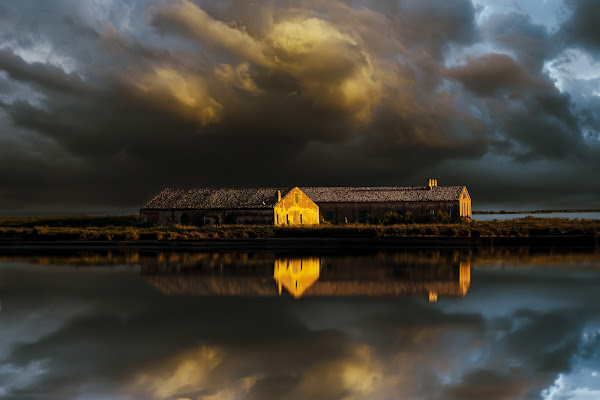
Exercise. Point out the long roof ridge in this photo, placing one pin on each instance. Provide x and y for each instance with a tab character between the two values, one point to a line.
216	198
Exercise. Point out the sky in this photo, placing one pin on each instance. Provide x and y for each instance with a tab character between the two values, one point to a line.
523	331
103	103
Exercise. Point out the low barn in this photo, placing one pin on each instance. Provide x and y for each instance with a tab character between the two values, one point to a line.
249	206
361	204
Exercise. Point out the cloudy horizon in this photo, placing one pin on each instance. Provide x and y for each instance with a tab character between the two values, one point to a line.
105	103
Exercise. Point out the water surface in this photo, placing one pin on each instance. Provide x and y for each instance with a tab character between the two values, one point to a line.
413	324
570	215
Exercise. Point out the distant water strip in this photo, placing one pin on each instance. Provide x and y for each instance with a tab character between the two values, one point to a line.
570	215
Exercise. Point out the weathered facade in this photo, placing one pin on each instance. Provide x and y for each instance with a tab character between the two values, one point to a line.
246	206
363	204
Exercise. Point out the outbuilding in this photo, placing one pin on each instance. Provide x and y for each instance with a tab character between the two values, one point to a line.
234	206
371	203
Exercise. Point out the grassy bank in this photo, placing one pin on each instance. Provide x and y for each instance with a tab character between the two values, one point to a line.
77	221
121	228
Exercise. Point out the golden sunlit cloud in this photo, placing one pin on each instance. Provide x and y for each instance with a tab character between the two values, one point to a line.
186	14
330	69
190	93
238	77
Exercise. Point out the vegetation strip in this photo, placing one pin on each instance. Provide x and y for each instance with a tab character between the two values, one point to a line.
128	228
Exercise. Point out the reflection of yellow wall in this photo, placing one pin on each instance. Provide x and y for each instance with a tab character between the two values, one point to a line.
465	277
296	275
296	208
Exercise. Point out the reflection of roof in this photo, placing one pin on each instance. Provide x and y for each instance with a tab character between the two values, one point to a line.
382	194
203	285
190	285
205	198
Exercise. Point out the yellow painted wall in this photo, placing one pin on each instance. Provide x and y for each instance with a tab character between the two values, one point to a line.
465	204
296	208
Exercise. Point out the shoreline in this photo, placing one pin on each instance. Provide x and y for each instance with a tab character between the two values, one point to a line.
258	244
506	212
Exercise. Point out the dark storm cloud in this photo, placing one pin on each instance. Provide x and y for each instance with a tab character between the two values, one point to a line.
531	43
492	73
48	77
582	28
110	102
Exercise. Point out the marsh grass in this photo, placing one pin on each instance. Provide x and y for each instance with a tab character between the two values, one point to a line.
128	228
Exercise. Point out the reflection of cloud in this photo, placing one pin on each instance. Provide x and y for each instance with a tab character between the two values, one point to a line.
188	374
126	341
350	370
14	378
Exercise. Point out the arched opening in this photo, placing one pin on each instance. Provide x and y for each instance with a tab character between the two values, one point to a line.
184	219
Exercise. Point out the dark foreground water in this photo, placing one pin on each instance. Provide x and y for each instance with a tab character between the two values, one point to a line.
422	324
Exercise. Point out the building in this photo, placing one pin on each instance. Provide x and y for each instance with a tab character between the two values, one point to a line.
247	206
362	204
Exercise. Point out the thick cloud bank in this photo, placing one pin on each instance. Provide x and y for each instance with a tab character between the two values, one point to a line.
104	103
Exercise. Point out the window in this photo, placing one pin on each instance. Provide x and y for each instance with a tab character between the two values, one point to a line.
277	218
363	216
329	215
300	219
184	219
297	197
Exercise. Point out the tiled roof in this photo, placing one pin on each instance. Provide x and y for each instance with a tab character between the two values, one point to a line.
216	198
382	194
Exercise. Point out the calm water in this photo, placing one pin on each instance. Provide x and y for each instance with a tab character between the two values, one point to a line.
426	324
570	215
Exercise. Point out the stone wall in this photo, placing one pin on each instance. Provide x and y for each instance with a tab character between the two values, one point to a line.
207	217
364	212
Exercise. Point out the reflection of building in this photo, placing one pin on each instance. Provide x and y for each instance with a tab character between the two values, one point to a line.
296	275
307	277
464	281
256	206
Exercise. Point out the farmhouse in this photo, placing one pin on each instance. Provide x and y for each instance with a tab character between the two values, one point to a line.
252	206
303	206
362	204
